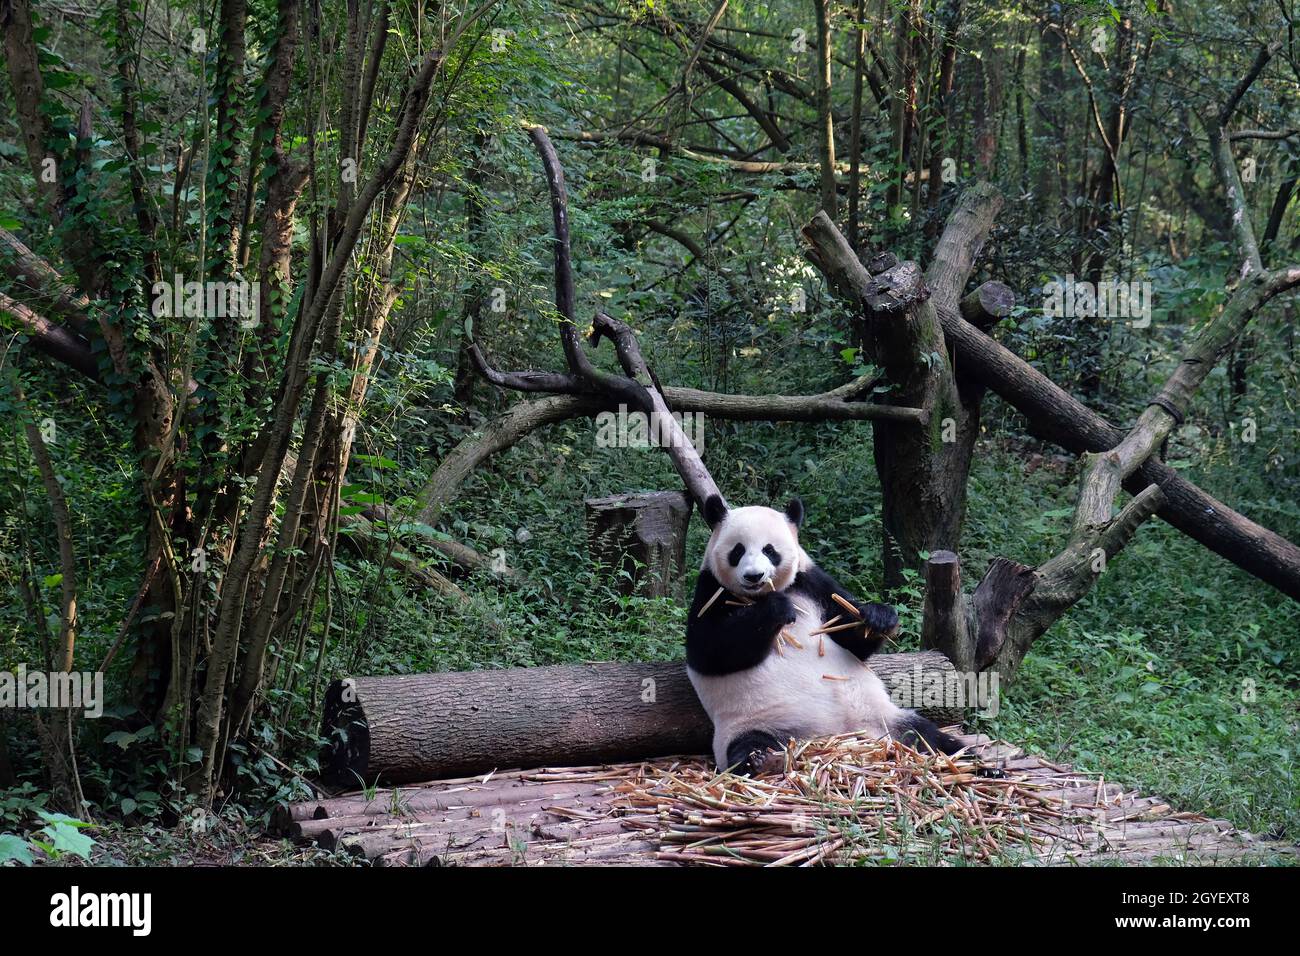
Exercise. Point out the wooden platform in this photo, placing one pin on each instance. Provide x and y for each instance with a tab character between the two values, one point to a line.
615	815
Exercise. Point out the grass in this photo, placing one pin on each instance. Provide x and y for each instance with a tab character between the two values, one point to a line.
1188	693
1177	675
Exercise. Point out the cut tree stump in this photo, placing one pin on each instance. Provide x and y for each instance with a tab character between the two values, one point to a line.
643	537
581	815
428	726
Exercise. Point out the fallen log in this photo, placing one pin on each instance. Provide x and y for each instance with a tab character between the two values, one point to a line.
429	726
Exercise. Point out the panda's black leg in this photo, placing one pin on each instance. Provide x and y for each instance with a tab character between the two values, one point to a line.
922	734
747	753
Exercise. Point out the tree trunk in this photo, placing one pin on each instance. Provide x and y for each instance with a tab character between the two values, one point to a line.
430	726
855	123
902	106
949	19
472	309
643	537
825	115
7	776
1048	128
922	470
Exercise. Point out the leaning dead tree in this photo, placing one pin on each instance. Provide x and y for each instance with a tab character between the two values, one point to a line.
593	389
636	387
921	333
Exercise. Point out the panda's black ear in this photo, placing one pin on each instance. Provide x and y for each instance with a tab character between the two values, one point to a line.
794	512
715	509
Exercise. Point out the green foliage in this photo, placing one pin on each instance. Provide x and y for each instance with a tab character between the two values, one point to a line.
58	837
1146	680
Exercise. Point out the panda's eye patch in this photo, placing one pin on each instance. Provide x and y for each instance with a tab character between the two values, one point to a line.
736	554
772	555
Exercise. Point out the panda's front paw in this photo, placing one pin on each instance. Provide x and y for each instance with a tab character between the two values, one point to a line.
766	763
761	763
778	609
880	619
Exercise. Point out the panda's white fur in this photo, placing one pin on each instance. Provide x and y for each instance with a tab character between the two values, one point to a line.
791	692
810	686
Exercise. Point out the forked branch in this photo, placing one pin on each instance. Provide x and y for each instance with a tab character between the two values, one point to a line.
637	387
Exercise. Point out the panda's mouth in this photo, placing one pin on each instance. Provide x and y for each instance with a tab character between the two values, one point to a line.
762	587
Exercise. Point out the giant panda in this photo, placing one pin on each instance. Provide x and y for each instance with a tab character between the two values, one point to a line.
759	692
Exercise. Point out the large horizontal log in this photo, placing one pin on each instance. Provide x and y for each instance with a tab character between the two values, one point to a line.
430	726
1059	417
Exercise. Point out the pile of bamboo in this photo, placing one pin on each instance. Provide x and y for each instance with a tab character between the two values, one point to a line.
847	799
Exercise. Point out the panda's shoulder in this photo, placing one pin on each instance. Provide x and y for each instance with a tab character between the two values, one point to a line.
809	571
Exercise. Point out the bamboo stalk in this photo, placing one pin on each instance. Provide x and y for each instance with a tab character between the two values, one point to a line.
837	628
709	603
846	604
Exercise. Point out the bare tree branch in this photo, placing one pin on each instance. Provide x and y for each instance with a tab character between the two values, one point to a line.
61	344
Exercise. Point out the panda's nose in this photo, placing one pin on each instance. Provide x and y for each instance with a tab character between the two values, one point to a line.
753	577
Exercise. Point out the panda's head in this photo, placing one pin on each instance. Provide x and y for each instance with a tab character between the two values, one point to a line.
754	550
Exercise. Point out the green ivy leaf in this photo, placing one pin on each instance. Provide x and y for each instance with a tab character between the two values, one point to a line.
16	849
121	738
68	839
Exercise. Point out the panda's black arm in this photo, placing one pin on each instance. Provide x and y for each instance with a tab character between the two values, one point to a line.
879	620
727	638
